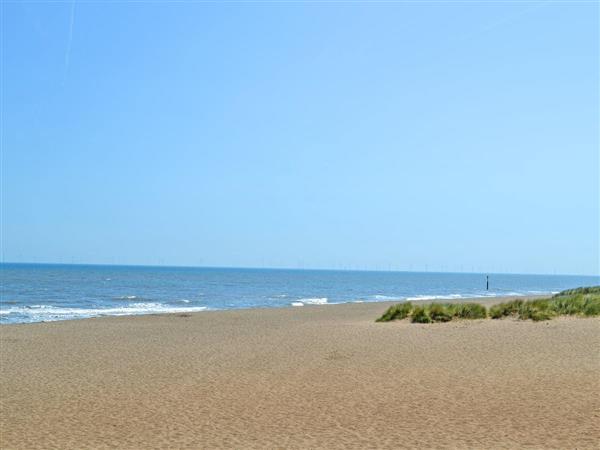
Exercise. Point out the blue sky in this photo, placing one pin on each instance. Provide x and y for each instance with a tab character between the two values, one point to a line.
440	136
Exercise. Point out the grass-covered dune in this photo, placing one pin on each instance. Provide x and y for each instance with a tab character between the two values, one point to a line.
573	302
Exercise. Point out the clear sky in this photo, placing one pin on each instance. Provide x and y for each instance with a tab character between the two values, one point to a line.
440	136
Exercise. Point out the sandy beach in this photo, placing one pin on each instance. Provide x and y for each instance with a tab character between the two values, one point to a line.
311	377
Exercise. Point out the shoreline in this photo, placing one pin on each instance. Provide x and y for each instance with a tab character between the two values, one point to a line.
317	377
487	300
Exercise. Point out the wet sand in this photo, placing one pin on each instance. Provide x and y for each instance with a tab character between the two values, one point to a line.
311	377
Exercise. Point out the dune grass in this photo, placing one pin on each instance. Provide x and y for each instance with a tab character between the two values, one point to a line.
577	291
583	302
573	302
434	312
468	311
420	314
506	309
396	312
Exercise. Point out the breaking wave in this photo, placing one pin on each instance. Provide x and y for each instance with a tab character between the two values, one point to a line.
43	313
310	301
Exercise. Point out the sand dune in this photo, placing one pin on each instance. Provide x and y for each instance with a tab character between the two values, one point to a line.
312	377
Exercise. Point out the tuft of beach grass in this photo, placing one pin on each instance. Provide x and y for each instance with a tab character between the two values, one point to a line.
434	312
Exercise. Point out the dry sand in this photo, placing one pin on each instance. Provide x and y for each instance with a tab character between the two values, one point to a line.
312	377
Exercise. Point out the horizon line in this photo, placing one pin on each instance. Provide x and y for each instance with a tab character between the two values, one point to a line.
175	266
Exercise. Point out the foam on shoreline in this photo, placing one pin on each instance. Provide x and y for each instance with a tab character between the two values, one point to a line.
47	313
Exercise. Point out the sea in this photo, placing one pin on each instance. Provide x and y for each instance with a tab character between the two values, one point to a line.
50	292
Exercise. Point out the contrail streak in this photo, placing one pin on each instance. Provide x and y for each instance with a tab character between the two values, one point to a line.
69	41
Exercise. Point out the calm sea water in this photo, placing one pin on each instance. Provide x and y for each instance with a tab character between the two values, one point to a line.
39	292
